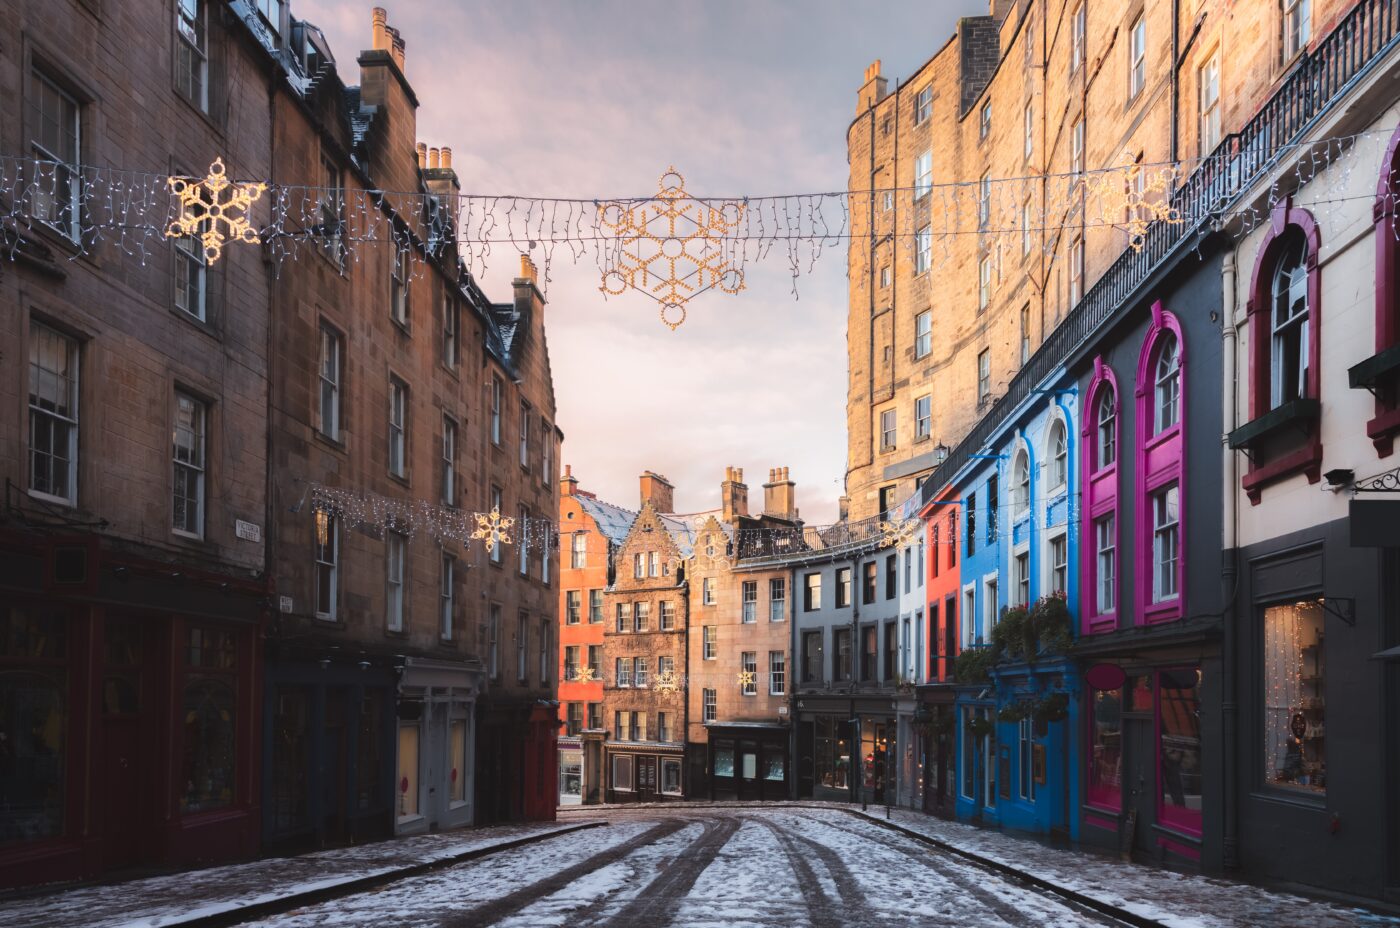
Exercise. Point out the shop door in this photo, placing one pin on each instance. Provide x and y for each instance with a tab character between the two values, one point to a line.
806	762
750	787
126	719
335	766
1139	786
646	779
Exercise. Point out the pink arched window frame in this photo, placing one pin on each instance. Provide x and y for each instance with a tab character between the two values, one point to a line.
1158	462
1386	423
1306	458
1101	496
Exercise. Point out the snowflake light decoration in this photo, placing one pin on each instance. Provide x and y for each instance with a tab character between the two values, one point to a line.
672	246
207	215
899	534
711	553
1125	192
746	678
667	682
493	528
585	674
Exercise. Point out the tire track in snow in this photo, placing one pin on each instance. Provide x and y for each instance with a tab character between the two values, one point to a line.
656	903
512	903
956	873
820	907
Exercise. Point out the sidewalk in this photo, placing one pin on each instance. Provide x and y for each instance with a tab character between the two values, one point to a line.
223	895
1154	895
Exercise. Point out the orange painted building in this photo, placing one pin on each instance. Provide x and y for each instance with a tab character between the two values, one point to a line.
944	591
589	530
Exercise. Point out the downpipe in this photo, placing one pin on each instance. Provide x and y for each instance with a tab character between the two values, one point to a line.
1229	580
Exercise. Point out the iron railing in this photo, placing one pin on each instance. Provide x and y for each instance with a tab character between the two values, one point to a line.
1317	81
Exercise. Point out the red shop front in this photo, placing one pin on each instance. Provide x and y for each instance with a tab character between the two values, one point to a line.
127	714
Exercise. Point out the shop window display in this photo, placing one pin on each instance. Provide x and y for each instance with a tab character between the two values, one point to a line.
1295	749
209	745
833	753
1106	749
33	724
1179	748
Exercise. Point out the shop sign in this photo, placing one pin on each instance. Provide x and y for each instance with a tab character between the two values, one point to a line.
1105	676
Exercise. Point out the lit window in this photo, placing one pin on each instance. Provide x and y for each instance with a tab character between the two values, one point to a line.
190	419
53	414
327	553
1295	672
1165	544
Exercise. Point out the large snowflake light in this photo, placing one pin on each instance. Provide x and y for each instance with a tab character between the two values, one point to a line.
672	246
493	528
207	215
1125	193
900	533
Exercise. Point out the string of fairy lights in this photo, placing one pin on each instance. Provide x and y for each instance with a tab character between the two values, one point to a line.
671	245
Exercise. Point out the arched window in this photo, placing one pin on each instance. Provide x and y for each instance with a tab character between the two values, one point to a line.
1379	376
1166	394
1106	427
1058	454
1283	435
1020	485
1159	491
1288	346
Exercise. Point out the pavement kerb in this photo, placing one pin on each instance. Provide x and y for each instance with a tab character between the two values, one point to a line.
1098	905
284	904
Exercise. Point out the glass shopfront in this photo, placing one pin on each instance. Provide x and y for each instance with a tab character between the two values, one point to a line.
1295	698
570	778
832	752
1179	749
1106	749
33	723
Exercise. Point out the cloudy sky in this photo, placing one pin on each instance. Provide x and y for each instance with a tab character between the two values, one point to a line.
595	100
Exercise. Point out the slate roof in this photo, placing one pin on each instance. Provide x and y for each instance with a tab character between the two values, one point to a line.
613	521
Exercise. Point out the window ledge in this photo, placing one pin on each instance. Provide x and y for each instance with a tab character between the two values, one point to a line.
1299	413
1381	366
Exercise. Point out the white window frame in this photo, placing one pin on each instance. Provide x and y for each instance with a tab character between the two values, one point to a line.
1057	455
1028	120
886	276
449	460
984	375
495	410
709	705
1288	292
328	408
399	273
1021	576
984	281
191	278
1297	27
56	199
578	557
1076	149
667	617
748	603
189	459
1056	545
1208	101
446	596
748	661
1020	483
923	416
1077	38
991	604
984	200
984	121
327	563
398	427
451	328
1027	231
47	410
967	628
889	429
1106	563
1106	428
923	104
1137	56
923	256
1166	533
777	673
923	174
497	551
192	38
709	649
1076	271
923	334
707	591
395	554
524	435
1166	384
777	605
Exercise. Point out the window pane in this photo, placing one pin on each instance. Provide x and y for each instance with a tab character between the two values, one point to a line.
208	769
1179	705
1295	754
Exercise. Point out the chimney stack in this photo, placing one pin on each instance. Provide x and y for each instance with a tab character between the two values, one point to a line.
733	494
873	89
657	490
384	37
568	484
422	155
780	495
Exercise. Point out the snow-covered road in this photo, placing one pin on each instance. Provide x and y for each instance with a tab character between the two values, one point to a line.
722	867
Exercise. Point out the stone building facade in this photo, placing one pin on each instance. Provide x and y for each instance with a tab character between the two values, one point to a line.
396	377
1016	106
132	419
590	532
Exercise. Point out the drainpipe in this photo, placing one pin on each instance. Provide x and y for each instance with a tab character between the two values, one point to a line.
1228	572
857	771
1174	77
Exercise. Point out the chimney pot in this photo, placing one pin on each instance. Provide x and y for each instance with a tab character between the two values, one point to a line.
433	158
422	155
446	157
378	21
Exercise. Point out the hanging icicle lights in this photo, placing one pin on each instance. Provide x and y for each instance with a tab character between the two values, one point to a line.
670	245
